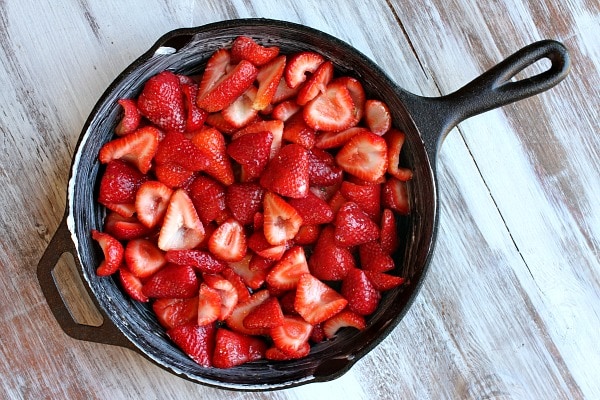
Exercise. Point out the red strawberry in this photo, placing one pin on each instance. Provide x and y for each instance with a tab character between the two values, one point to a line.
125	210
213	144
284	110
275	354
284	92
329	261
112	250
344	319
297	131
266	315
281	221
217	121
228	241
254	279
227	292
208	197
228	87
241	112
172	281
241	311
198	342
176	312
258	243
151	202
246	48
242	291
395	196
364	156
132	285
137	148
130	121
357	92
312	209
286	272
362	297
120	183
216	69
308	234
124	228
395	140
274	126
173	175
299	65
315	301
161	101
268	78
244	200
233	349
203	261
318	335
377	117
287	173
322	170
182	228
353	226
332	110
373	258
209	305
388	236
367	197
332	139
382	281
253	151
143	258
292	335
195	116
176	148
258	262
316	83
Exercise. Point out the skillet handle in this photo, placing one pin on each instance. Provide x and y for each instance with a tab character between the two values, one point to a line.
107	333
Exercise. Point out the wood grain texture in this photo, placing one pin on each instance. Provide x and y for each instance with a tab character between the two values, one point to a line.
511	306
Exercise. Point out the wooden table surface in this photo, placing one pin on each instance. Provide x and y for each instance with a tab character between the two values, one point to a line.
511	306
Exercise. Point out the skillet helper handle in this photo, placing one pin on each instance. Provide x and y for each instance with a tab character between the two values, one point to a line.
107	333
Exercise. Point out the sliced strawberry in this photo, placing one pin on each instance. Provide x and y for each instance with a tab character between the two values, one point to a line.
297	131
208	197
182	228
228	241
322	169
125	210
281	220
216	69
258	262
233	349
228	87
312	209
395	196
213	144
317	335
357	92
307	235
172	281
203	261
268	78
137	148
388	236
315	301
132	285
287	174
292	335
161	101
284	110
345	319
329	261
377	117
362	297
353	226
395	140
367	197
151	202
120	183
124	228
382	281
176	148
258	243
195	116
332	110
241	311
286	273
173	175
253	151
316	83
143	258
244	200
364	156
241	112
374	258
176	312
112	250
299	65
227	292
246	48
274	126
284	92
209	305
266	315
275	354
332	139
217	121
130	121
198	342
243	293
254	279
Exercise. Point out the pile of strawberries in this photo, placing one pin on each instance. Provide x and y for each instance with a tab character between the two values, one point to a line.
254	207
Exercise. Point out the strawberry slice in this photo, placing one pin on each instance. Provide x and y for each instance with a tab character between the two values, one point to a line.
227	88
345	319
120	183
137	148
297	131
176	148
395	140
364	156
331	110
331	140
112	250
246	48
292	335
216	69
374	258
307	235
125	210
286	273
330	261
213	145
322	169
209	305
382	281
217	121
312	209
268	78
357	92
275	354
151	202
284	92
203	261
367	197
244	200
353	226
232	349
124	228
182	228
285	109
176	312
208	197
228	241
236	320
316	83
287	174
362	296
195	116
281	220
252	151
243	292
266	315
395	196
253	279
143	258
228	293
132	285
172	281
315	301
257	242
299	65
388	236
377	117
198	342
241	112
274	126
130	121
161	101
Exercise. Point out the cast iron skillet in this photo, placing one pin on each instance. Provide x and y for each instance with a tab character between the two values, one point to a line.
425	121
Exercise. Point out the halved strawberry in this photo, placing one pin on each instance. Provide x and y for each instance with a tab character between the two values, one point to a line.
112	250
276	354
266	315
137	148
130	121
198	342
364	156
284	92
362	297
208	197
201	260
312	209
345	319
213	145
353	226
227	292
125	210
299	65
331	110
297	131
241	112
258	243
292	335
333	139
377	117
233	349
395	196
173	175
253	151
209	305
268	78
382	281
244	200
307	235
143	258
151	202
388	236
281	220
395	140
132	285
374	258
176	312
161	101
182	228
216	69
367	197
284	110
330	261
316	83
246	48
243	292
120	183
274	126
241	311
287	174
286	273
172	281
195	116
124	228
228	241
254	279
228	87
176	148
315	301
357	92
217	121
